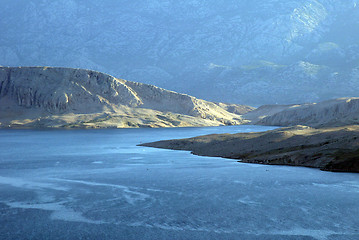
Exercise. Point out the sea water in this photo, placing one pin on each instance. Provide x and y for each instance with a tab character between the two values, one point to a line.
97	184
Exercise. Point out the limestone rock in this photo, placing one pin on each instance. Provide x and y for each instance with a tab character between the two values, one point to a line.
238	51
337	112
47	96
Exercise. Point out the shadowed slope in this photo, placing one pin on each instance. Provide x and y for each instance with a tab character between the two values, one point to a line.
334	149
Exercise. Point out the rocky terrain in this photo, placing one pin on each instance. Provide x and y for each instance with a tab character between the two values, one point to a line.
240	51
65	97
331	113
329	139
332	149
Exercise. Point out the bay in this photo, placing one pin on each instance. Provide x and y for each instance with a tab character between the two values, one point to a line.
97	184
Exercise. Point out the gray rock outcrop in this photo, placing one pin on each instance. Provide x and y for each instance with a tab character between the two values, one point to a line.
239	51
337	112
64	91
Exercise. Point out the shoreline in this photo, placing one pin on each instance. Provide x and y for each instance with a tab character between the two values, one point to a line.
329	149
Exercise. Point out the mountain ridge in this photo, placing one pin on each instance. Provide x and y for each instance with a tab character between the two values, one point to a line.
55	92
217	46
330	113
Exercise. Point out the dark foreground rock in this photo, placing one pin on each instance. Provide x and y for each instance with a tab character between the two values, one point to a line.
330	149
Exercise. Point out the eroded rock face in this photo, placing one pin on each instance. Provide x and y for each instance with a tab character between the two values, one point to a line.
241	51
337	112
80	91
61	89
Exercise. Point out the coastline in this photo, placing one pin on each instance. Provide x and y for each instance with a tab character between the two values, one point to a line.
329	149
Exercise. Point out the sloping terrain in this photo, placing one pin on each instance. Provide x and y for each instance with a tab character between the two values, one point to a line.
256	115
333	149
332	145
65	97
336	112
240	51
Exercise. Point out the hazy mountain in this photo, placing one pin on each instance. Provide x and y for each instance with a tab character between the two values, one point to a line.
66	97
242	51
335	112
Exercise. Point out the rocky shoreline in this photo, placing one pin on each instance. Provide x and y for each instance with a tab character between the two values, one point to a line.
330	149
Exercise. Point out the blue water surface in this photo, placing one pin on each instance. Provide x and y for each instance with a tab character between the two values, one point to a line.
97	184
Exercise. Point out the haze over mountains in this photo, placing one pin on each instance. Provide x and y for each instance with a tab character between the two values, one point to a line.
330	113
248	52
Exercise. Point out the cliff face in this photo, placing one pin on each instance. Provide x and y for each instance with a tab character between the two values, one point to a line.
61	91
241	51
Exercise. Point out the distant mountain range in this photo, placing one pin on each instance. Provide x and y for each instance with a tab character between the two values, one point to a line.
243	51
43	97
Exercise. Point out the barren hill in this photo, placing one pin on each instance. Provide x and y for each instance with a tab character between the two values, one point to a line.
281	51
66	97
336	112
